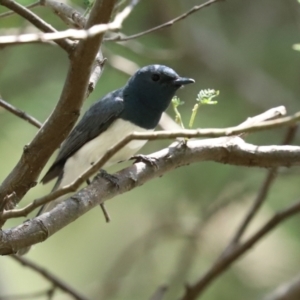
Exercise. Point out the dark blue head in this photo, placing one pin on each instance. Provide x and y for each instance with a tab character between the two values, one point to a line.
149	92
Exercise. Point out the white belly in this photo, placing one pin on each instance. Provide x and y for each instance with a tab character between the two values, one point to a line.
92	151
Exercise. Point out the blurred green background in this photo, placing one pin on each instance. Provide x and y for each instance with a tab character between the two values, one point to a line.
161	233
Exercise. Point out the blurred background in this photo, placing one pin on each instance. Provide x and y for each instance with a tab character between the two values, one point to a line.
170	230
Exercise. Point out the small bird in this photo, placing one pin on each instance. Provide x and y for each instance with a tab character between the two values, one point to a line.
137	106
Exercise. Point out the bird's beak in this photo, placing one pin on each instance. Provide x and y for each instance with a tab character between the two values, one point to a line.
183	81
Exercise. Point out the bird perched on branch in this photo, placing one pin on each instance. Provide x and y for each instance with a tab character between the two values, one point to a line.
137	106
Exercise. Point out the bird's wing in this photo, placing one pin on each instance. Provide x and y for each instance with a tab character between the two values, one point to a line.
95	121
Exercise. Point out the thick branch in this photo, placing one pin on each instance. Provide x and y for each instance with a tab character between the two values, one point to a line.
65	114
224	150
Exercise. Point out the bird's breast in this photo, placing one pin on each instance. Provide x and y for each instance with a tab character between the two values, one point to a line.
92	151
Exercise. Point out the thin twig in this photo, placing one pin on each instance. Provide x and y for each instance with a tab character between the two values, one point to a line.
97	69
287	291
21	114
36	21
167	24
262	194
59	36
160	293
29	295
49	277
9	13
194	291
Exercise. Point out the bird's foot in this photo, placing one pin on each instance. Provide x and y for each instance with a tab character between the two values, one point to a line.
152	161
114	180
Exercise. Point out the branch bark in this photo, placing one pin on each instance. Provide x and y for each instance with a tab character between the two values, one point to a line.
38	22
59	124
287	291
224	262
224	150
19	113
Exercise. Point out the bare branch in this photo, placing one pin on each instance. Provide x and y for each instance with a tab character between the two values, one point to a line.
167	24
240	153
263	192
136	136
70	33
224	150
36	21
223	263
9	13
66	12
55	281
96	72
159	293
48	292
19	113
270	114
287	291
55	129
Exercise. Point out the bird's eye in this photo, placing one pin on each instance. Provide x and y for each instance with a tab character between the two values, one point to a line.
155	77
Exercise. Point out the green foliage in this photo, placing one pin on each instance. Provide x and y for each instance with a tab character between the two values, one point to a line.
177	102
204	97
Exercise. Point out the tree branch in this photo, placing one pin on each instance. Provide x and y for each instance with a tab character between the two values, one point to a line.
222	264
142	136
224	150
167	24
70	33
287	291
36	21
55	281
59	124
65	12
48	292
9	13
263	192
19	113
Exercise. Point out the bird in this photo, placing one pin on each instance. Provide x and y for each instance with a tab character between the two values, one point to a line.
136	107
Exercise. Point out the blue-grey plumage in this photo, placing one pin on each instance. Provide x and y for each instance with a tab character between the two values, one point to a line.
137	106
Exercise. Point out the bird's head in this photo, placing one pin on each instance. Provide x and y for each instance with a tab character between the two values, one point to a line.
154	86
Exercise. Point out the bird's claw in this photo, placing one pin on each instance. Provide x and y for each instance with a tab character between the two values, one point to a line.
111	178
152	161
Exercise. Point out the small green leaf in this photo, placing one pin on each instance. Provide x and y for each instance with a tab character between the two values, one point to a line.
204	97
